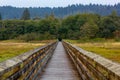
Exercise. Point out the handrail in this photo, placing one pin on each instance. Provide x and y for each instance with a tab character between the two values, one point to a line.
92	66
27	65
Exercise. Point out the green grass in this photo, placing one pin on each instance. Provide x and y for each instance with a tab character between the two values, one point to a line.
12	48
108	49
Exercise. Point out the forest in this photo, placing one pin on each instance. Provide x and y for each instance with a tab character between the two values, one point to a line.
9	12
80	26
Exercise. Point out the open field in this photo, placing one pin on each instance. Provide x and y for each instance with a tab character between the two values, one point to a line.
110	49
11	48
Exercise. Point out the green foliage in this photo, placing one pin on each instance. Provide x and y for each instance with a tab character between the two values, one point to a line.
89	30
28	37
80	26
35	36
36	18
0	16
107	27
26	15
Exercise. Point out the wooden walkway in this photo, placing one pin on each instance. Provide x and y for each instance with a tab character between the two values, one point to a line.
60	67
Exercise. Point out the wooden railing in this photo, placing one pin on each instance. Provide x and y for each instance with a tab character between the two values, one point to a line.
91	66
27	65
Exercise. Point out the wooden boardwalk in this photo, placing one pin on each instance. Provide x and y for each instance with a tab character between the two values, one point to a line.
60	67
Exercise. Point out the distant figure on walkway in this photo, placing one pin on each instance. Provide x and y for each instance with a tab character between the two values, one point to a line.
60	39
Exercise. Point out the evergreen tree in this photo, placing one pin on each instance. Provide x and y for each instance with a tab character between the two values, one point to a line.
0	16
26	15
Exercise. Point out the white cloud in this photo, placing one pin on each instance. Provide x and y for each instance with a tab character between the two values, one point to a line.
51	3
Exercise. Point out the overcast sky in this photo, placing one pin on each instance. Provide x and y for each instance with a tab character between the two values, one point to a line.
52	3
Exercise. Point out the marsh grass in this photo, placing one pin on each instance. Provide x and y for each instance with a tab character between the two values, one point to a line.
12	48
108	49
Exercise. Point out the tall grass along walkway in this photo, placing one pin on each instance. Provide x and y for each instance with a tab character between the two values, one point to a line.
55	62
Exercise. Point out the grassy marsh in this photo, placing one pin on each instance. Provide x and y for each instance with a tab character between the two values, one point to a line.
12	48
108	49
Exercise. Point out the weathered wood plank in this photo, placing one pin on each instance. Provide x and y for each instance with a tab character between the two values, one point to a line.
25	66
98	67
60	67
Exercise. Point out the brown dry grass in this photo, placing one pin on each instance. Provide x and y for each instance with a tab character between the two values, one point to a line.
110	50
12	48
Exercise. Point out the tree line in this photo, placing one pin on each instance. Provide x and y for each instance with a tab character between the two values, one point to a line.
60	12
79	26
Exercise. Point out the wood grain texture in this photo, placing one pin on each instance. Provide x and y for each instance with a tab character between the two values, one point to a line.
60	67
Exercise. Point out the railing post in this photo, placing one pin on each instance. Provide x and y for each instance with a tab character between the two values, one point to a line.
27	65
92	66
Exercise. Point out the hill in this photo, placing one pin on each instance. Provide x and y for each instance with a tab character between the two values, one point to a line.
9	12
